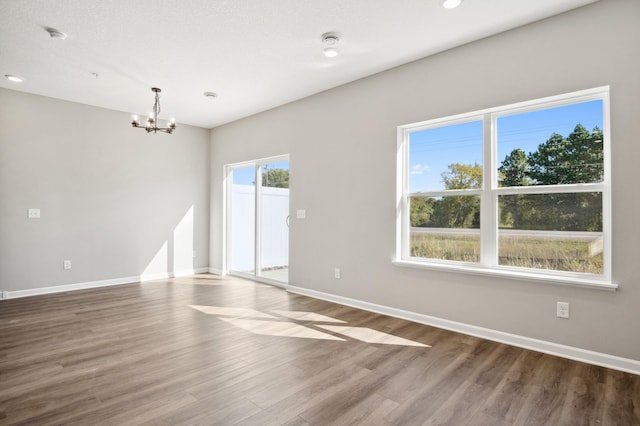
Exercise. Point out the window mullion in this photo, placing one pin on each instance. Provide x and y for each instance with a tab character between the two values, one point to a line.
488	198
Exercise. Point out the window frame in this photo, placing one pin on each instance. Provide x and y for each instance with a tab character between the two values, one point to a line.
490	192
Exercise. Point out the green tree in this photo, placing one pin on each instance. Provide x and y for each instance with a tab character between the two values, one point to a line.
421	211
514	170
574	159
462	176
459	211
578	158
275	178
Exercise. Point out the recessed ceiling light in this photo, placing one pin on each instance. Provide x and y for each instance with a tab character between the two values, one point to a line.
330	40
330	52
211	94
14	78
55	33
450	4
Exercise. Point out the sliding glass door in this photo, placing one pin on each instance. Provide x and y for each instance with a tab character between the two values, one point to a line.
242	220
258	219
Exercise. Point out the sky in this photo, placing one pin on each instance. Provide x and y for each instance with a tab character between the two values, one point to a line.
432	150
247	175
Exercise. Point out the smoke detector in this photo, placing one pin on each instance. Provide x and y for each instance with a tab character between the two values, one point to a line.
330	39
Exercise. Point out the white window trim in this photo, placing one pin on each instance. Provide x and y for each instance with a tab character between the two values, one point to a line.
489	196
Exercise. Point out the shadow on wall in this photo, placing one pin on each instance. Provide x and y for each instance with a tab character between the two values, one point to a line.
176	254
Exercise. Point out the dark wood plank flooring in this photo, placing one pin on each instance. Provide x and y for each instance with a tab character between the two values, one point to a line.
181	352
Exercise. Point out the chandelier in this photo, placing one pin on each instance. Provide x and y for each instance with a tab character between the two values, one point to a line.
152	122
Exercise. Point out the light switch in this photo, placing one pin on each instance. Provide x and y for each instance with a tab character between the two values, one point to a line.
34	214
301	214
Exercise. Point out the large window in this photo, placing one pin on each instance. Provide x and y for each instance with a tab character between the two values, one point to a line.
521	189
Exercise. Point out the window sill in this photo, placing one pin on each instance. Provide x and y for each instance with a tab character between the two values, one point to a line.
505	273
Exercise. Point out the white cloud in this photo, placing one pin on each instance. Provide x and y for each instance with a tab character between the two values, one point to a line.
418	169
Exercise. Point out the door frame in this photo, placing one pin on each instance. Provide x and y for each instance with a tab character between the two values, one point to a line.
228	218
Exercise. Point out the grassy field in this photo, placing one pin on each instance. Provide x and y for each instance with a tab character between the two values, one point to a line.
529	252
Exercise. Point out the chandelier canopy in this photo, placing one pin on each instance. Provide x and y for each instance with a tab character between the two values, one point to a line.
152	122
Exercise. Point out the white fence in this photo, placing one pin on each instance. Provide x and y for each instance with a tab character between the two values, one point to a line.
275	232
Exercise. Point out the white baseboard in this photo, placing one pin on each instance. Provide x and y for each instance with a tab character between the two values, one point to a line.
217	271
101	283
166	275
71	287
564	351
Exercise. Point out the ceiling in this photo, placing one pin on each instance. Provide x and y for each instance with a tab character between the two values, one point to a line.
255	54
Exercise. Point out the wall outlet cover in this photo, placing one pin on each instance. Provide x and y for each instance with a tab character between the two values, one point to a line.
562	310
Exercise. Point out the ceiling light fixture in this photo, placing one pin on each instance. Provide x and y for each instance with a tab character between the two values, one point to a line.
451	4
152	121
211	94
14	78
330	52
330	40
55	33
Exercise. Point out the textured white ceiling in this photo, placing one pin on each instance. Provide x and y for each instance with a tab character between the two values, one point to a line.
257	54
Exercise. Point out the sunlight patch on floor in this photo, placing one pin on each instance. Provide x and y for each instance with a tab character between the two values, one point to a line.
369	335
267	325
307	316
280	328
231	312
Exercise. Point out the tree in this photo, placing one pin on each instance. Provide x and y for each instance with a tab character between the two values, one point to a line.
459	211
276	178
578	158
514	170
462	176
574	159
421	211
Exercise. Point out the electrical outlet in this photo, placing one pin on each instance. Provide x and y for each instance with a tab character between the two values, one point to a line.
66	264
33	213
337	273
193	255
562	310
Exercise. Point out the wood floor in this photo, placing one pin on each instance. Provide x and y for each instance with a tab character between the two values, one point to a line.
210	350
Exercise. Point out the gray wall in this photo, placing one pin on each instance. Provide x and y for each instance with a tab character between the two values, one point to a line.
343	151
110	196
